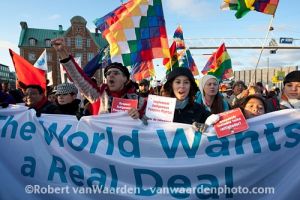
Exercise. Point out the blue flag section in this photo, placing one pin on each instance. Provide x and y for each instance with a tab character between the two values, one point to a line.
101	60
113	156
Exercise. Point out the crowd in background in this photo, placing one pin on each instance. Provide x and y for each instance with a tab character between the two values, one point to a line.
194	103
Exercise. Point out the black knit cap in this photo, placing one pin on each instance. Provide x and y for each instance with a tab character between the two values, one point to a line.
182	71
293	76
117	66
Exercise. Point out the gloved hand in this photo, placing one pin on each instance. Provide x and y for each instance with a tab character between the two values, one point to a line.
212	119
197	126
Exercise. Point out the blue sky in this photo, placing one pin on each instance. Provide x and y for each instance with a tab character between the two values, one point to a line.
198	18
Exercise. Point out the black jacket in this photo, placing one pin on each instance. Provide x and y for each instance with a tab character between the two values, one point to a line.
191	113
70	108
47	108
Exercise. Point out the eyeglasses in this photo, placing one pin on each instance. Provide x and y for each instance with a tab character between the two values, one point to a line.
112	72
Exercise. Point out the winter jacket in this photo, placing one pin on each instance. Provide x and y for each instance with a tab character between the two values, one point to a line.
191	113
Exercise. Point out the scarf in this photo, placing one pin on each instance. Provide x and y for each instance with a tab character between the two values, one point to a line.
181	104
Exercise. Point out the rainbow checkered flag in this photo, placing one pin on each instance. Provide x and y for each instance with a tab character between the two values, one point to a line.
135	31
242	7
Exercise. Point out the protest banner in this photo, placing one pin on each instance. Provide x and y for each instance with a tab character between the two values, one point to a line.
113	156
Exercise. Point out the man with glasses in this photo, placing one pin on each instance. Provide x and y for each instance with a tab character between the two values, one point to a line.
118	83
36	99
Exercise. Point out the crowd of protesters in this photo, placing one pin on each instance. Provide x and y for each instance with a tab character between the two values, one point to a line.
194	103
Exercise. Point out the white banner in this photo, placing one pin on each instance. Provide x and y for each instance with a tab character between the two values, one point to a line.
115	157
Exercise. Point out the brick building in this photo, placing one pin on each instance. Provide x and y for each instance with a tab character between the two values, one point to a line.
79	40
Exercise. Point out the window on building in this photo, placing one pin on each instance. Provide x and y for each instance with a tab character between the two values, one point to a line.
69	42
78	58
90	56
32	42
88	42
78	42
49	56
48	43
31	57
49	68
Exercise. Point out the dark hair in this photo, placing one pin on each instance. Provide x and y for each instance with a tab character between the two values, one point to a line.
144	82
242	103
181	71
293	76
239	83
259	84
168	90
217	105
38	87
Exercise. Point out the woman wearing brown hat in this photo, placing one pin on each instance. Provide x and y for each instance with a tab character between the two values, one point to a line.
181	85
291	91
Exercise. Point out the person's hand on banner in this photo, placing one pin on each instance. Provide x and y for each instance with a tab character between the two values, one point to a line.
197	126
145	120
211	120
134	113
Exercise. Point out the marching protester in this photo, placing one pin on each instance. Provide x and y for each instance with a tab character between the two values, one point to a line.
66	99
291	91
6	98
144	89
252	106
51	95
209	95
15	93
237	89
118	83
36	99
181	85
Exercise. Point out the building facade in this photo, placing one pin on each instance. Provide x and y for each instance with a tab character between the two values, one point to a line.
7	76
79	40
4	73
264	75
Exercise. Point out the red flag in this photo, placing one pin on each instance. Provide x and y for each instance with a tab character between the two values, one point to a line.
26	72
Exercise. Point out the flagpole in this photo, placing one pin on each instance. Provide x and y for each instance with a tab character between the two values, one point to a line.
262	48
